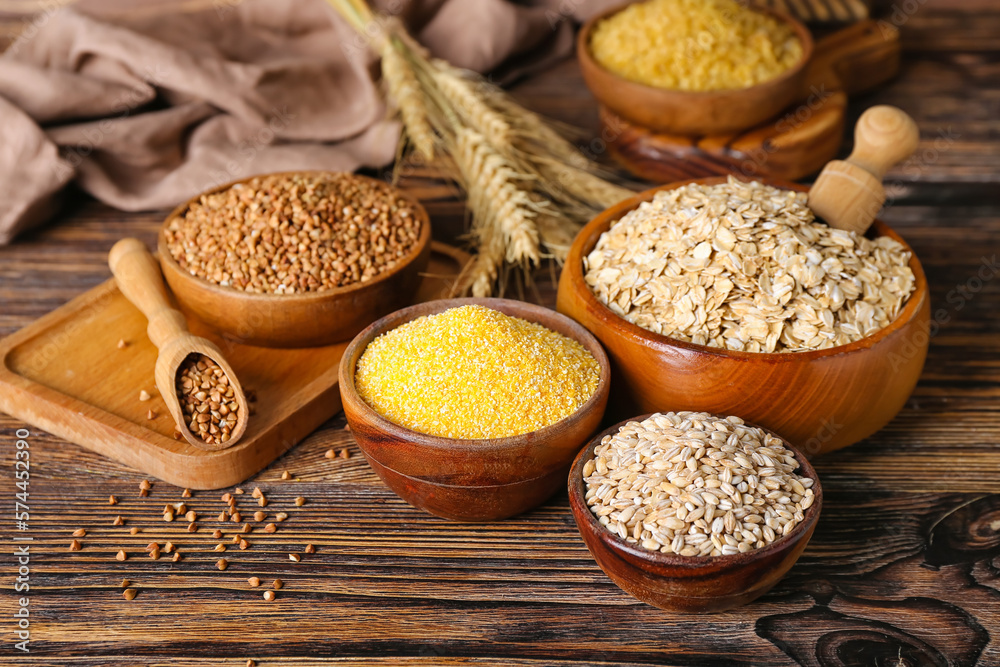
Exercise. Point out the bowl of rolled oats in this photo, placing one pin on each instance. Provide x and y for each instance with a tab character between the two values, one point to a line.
296	259
693	512
730	297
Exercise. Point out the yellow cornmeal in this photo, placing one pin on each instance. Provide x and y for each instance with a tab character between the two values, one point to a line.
473	372
695	45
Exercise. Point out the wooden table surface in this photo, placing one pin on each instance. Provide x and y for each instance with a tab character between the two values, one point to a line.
904	568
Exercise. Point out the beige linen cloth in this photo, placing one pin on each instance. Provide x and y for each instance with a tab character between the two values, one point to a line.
145	104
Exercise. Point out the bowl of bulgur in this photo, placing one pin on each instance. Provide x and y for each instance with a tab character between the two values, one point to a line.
729	297
693	512
473	409
694	67
295	259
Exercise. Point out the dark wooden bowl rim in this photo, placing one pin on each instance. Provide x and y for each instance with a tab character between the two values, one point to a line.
581	510
604	220
694	96
302	297
525	311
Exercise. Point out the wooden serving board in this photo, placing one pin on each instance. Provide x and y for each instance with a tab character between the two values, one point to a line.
822	11
793	145
65	374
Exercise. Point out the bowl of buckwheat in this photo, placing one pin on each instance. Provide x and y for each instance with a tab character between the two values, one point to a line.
694	512
731	297
296	259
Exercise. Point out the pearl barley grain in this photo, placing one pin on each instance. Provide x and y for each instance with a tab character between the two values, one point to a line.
742	492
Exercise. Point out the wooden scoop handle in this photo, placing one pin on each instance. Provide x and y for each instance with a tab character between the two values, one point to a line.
139	279
883	137
848	193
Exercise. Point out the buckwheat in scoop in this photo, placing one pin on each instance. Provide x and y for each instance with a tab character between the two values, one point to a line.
207	399
693	484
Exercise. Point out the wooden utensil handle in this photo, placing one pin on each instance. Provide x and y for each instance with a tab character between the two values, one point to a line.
139	279
853	59
848	193
883	137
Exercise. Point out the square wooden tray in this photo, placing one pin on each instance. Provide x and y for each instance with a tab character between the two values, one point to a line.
65	374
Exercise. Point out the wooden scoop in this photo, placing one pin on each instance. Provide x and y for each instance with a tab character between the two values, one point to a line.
848	193
139	279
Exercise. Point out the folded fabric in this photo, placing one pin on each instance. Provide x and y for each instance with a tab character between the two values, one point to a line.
145	104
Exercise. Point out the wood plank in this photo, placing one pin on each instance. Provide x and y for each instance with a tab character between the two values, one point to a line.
902	569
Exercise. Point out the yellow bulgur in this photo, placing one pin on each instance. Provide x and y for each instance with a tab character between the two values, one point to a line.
473	372
695	45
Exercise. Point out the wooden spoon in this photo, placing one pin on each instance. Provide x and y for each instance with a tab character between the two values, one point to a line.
848	193
139	279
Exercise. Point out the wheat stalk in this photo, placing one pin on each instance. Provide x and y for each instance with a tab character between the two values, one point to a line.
405	90
579	184
528	187
496	198
460	93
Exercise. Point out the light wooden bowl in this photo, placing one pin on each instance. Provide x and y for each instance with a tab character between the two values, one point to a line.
472	480
686	583
694	112
296	320
820	400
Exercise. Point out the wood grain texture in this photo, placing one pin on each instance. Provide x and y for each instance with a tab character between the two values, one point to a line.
792	144
848	193
138	278
695	113
473	479
820	400
903	565
303	319
673	583
65	373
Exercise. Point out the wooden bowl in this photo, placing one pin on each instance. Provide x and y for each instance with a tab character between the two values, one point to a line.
472	480
296	320
819	400
689	583
694	112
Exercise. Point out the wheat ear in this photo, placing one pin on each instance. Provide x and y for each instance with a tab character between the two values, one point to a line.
495	197
580	184
405	90
462	95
